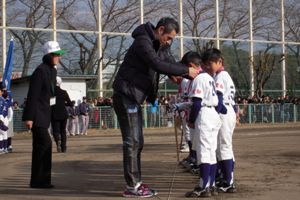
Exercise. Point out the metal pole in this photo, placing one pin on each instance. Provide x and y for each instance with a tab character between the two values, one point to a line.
217	25
142	11
181	28
283	80
3	34
54	19
100	75
251	49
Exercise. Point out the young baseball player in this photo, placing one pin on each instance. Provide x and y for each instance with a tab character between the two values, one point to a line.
205	119
3	121
5	118
190	59
10	131
226	88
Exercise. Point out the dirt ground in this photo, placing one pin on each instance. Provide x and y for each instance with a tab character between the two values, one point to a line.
267	166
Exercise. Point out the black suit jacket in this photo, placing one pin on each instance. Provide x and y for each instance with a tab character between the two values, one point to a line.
41	89
59	111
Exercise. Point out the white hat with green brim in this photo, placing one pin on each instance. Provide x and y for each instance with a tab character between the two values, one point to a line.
53	47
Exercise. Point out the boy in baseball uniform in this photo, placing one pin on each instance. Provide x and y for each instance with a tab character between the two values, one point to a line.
190	59
4	106
225	157
204	118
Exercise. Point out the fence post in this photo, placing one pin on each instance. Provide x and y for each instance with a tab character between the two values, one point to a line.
283	113
250	113
115	120
100	117
273	114
295	113
145	116
262	113
159	119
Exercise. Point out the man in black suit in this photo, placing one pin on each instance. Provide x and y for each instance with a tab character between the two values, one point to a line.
59	117
37	114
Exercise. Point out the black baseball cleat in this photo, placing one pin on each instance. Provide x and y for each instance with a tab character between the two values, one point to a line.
227	188
214	191
43	186
198	192
195	169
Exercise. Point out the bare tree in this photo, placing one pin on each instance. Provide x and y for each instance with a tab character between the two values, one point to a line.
292	22
117	16
264	65
31	14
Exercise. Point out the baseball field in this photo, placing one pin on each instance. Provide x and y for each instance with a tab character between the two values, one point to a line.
267	166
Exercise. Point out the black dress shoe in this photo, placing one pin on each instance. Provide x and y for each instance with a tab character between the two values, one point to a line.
46	186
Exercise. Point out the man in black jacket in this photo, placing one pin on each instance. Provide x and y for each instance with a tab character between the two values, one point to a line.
59	117
137	81
37	114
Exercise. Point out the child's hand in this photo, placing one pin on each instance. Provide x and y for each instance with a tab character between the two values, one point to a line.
191	125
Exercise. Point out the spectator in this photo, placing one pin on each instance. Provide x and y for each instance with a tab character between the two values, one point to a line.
153	113
84	116
24	103
73	119
16	105
59	117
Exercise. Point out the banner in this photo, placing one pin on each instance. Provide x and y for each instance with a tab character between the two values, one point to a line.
6	79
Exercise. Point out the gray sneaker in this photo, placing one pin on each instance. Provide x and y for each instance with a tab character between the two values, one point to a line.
143	192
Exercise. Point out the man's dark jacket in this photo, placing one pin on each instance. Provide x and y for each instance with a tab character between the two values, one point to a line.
136	77
41	88
59	111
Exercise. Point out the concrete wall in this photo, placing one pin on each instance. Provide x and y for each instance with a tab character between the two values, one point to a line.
75	88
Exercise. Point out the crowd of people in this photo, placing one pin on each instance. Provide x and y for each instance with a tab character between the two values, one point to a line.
101	111
266	99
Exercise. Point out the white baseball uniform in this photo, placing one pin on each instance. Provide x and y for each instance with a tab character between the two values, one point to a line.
225	85
183	95
208	121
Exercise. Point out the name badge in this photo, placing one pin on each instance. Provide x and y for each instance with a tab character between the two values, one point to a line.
132	109
52	101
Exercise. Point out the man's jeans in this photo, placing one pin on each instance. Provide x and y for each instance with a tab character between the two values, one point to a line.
130	120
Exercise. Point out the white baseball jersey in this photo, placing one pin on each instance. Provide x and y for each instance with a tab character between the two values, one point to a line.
208	120
204	87
225	85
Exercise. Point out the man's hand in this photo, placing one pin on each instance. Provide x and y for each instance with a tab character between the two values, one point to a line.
193	72
176	79
29	124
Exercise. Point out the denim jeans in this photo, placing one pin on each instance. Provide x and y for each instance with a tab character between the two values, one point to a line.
129	115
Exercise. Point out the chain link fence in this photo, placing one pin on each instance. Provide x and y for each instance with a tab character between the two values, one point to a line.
104	117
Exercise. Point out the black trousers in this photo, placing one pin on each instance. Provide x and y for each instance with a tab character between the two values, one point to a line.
59	133
41	156
130	119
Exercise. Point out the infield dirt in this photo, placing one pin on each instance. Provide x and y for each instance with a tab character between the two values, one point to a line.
267	166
